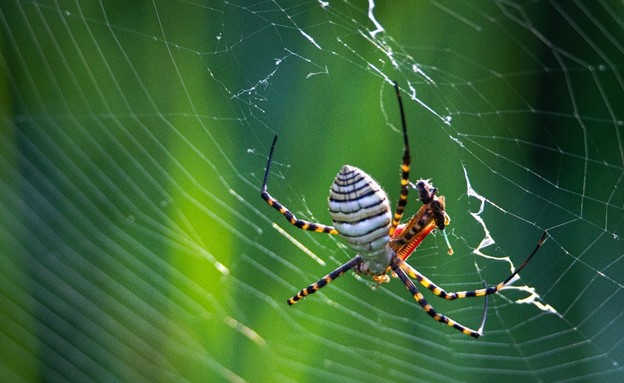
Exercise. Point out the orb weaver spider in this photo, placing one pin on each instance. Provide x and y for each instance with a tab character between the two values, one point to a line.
361	215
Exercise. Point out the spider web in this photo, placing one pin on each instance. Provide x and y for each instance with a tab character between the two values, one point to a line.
135	246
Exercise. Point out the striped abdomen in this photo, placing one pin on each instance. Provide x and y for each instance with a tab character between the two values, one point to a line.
360	211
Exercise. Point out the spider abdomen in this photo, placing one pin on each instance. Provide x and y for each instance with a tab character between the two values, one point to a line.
360	210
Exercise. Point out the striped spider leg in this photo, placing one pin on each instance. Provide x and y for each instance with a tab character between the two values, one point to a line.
471	293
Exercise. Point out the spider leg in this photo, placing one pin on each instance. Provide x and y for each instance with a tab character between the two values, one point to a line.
405	168
316	286
290	217
426	282
428	308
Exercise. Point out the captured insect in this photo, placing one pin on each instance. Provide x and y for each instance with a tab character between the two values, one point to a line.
361	215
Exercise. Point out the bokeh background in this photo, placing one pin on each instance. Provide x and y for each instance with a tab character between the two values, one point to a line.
134	245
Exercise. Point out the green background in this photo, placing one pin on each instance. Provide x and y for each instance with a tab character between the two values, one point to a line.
135	247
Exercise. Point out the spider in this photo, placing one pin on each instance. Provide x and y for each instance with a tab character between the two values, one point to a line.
362	216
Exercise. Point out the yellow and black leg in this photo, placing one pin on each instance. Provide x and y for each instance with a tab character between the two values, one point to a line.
405	168
290	217
466	294
316	286
430	310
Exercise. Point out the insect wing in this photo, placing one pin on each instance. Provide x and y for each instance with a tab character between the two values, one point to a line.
409	236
